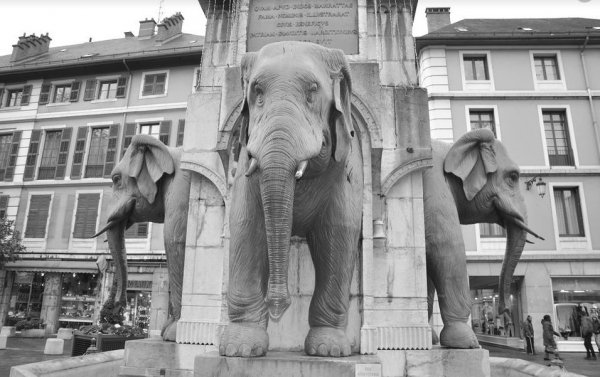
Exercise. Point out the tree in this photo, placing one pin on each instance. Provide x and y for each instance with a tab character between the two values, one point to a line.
10	242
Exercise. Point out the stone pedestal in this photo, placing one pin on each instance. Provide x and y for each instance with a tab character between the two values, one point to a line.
288	364
435	362
64	333
8	331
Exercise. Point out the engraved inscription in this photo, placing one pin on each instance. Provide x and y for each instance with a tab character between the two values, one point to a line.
330	24
367	370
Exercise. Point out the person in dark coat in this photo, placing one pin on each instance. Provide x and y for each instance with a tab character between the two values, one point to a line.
528	334
587	331
548	334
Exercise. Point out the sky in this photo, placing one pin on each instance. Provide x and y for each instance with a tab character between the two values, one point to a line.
76	21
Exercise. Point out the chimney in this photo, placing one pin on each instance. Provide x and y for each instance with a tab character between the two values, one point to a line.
169	27
437	18
30	46
147	28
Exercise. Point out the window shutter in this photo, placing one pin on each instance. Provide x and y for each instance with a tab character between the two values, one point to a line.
32	154
3	205
63	153
45	94
75	88
37	217
79	153
121	87
90	90
26	95
12	157
137	230
180	131
165	131
1	95
86	215
111	150
127	135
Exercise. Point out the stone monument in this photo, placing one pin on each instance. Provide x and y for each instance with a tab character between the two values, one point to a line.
387	315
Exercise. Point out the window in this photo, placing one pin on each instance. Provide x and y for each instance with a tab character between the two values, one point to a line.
154	84
50	155
482	119
568	212
491	231
13	97
86	215
152	129
108	89
137	230
3	205
62	93
476	67
5	149
37	218
557	138
546	67
97	153
54	155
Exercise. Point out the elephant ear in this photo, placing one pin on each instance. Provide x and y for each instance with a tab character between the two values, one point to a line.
340	121
471	159
246	68
146	160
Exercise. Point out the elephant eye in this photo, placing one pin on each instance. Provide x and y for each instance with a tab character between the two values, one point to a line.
513	178
116	179
258	91
313	88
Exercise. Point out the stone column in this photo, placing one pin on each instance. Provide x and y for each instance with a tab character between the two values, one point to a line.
51	301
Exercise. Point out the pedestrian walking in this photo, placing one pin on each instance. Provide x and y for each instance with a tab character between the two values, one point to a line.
596	326
587	331
528	334
549	342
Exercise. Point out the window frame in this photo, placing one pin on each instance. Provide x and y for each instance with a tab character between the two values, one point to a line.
24	230
548	85
570	131
55	87
91	128
143	81
42	149
110	83
477	85
21	90
569	242
492	108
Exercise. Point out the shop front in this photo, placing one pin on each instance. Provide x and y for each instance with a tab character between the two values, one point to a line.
574	297
26	297
79	296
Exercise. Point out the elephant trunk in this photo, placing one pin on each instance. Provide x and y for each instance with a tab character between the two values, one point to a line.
515	242
116	244
277	184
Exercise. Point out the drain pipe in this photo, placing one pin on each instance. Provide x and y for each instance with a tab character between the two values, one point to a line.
589	92
129	85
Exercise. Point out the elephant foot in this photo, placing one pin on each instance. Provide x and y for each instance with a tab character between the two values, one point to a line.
244	340
458	335
327	341
169	330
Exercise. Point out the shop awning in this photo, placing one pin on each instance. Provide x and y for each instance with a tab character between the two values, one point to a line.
52	266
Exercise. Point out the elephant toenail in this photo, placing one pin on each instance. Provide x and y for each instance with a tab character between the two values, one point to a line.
322	350
259	351
222	350
245	350
346	351
335	351
311	351
231	350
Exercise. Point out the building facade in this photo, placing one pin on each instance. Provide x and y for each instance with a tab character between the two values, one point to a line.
533	82
67	115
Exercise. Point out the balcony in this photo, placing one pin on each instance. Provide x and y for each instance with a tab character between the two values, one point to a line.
561	156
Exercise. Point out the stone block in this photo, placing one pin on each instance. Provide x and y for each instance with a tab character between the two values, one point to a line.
277	364
54	346
102	364
8	331
64	333
435	362
145	355
3	341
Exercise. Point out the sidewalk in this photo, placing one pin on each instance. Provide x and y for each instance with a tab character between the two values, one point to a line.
30	350
574	361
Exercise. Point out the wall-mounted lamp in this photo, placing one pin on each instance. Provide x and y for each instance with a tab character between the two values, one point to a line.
539	185
378	230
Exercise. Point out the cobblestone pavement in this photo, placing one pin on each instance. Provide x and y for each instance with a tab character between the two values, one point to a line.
30	350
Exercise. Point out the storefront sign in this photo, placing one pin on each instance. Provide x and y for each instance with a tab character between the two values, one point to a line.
23	277
328	23
139	285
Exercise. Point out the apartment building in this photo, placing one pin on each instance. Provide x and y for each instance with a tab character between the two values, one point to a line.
535	83
67	115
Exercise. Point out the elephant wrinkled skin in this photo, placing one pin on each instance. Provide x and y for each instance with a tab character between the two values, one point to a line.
299	173
148	185
472	181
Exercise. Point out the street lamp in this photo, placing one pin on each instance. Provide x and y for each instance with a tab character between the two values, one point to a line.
540	185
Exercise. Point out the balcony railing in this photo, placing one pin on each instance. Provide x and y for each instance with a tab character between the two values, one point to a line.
561	156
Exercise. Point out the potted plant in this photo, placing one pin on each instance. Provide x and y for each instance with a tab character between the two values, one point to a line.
110	333
31	328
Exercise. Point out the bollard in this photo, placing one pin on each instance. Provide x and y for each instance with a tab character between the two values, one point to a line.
54	346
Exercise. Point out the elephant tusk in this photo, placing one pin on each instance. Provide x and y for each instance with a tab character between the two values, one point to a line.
529	242
301	169
107	227
521	225
252	167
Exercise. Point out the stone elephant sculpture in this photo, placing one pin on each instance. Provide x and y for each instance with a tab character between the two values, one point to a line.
148	185
471	181
299	173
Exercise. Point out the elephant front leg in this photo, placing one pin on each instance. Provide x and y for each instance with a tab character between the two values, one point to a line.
447	268
246	334
334	259
175	251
